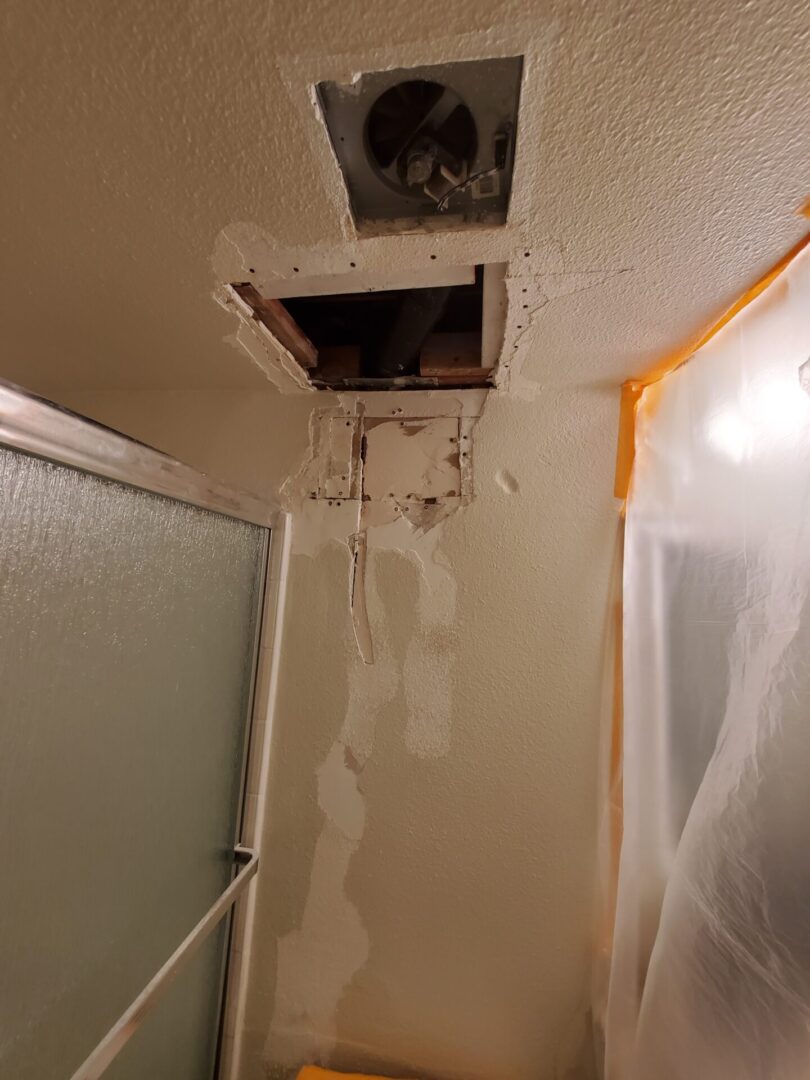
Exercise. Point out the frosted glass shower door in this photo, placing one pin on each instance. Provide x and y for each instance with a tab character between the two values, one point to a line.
127	643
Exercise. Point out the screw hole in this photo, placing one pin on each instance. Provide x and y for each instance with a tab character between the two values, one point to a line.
295	269
527	253
433	256
352	264
251	270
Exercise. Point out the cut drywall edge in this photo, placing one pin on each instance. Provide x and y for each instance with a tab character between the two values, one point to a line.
277	363
357	596
375	460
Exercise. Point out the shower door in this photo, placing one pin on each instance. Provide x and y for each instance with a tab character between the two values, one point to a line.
128	627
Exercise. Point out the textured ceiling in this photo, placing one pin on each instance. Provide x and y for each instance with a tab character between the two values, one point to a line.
666	140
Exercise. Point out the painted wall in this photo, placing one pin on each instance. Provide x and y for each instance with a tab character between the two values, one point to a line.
426	892
440	920
425	904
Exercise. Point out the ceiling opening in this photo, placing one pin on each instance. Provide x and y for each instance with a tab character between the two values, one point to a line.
439	335
426	144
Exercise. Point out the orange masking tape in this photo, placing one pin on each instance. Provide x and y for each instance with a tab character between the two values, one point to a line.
626	447
633	389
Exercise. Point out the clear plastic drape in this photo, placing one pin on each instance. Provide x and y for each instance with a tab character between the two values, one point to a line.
710	974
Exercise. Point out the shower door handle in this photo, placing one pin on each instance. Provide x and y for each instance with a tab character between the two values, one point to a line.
130	1020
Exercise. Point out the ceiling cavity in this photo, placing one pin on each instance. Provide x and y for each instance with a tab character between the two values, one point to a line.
443	330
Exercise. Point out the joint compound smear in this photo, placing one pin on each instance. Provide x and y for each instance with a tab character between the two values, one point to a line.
317	961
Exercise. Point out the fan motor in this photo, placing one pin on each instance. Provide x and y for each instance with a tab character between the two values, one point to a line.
421	135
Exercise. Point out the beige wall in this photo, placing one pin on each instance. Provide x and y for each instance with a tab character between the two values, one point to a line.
429	892
239	436
425	902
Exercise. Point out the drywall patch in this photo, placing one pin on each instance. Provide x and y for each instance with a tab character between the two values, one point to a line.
338	793
536	278
412	459
373	464
390	466
317	961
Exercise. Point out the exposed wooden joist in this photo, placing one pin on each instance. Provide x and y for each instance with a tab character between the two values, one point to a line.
272	314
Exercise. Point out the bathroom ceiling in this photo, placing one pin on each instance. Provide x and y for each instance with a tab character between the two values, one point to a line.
664	141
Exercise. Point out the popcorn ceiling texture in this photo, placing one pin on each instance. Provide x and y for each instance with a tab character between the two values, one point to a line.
425	902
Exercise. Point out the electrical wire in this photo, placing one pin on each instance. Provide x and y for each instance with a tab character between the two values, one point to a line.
443	201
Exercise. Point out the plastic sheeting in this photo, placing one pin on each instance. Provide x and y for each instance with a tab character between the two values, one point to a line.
710	974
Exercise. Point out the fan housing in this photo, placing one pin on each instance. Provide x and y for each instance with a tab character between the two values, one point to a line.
426	143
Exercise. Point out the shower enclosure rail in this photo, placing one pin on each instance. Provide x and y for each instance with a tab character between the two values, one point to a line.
41	429
37	427
129	1022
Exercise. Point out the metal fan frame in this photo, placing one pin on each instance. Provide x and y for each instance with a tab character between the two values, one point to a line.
489	88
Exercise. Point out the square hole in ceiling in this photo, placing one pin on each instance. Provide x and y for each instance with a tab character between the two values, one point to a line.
446	334
430	143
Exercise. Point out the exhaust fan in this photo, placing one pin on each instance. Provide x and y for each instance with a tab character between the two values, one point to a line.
433	143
